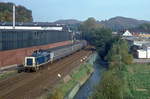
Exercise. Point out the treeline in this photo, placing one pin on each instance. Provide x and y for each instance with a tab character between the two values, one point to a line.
145	27
22	14
115	51
114	83
142	28
97	35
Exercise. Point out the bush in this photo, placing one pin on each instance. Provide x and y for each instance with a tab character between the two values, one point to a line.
113	84
56	95
110	87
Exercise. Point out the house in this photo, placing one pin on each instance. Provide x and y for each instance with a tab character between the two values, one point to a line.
141	53
127	33
144	52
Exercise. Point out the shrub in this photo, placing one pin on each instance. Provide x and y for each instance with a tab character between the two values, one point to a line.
56	95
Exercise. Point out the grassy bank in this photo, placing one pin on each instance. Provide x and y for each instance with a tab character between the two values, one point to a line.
131	82
138	78
7	74
123	79
76	77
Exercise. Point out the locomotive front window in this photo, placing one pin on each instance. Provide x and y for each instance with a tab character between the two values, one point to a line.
29	62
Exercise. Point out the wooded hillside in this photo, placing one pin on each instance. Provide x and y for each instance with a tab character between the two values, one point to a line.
22	14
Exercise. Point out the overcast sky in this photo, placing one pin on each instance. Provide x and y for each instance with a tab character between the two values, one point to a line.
52	10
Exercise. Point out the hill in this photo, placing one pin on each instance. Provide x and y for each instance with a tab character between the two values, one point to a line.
121	23
116	23
68	21
22	14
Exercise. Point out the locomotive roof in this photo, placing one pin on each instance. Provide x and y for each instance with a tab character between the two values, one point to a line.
39	53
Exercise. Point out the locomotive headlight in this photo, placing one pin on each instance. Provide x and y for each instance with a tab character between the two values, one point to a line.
59	75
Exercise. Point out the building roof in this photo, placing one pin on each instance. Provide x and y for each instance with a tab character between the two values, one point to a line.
30	24
40	53
142	50
146	45
127	33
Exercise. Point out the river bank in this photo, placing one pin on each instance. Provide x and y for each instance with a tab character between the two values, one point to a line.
70	84
89	86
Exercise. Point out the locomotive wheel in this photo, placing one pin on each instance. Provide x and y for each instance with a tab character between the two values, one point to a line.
25	70
36	69
19	71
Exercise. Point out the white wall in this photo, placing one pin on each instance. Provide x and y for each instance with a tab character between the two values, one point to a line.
148	53
32	28
127	33
142	53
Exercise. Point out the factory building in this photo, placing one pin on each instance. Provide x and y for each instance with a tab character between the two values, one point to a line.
21	40
13	39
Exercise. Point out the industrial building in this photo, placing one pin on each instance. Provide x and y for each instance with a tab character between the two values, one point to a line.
23	36
21	40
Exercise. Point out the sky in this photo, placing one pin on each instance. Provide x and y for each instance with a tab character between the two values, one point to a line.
52	10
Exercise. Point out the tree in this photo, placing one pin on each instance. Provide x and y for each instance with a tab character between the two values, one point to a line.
101	39
145	27
119	54
97	35
110	87
22	14
87	26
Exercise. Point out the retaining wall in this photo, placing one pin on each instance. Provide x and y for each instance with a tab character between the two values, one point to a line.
16	57
91	59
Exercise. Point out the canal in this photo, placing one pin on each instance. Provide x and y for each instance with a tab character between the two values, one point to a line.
86	90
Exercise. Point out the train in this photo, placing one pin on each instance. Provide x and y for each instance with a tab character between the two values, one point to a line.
41	57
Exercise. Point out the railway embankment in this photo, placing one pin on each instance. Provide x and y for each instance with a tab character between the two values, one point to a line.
34	85
7	74
71	83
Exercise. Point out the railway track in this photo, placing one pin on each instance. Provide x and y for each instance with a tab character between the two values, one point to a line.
33	85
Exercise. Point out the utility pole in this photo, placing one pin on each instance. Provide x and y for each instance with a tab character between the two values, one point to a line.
14	16
72	40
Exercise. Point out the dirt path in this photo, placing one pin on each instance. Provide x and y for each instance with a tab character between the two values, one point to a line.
33	85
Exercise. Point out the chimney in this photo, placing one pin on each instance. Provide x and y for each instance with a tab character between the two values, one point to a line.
13	16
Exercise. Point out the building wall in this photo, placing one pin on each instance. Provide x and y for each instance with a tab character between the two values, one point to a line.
17	56
142	54
148	53
13	39
0	41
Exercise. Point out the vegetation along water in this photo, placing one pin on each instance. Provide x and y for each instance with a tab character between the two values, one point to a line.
123	79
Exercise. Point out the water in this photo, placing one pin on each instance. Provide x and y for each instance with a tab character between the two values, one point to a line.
87	89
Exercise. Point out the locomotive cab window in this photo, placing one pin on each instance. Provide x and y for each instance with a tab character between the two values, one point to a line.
29	61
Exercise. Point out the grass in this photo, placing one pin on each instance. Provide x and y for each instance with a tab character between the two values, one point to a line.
138	76
76	76
7	74
82	72
66	87
134	83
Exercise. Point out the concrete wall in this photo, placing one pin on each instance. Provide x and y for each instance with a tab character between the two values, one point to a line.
16	56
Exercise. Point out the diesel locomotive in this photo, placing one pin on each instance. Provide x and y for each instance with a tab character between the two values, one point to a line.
41	57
